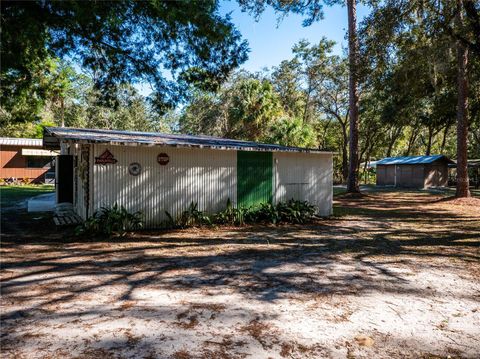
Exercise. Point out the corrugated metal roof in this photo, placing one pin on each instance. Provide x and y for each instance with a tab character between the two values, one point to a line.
53	135
31	142
412	160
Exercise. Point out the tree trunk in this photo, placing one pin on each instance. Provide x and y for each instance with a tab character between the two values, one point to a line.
462	103
444	140
344	151
412	139
390	148
393	139
324	134
369	144
352	183
307	102
345	162
428	150
62	111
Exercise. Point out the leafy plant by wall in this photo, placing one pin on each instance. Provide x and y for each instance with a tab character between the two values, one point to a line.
291	211
115	220
188	218
230	215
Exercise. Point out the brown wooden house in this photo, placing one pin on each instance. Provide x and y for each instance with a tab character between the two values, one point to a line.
413	171
24	159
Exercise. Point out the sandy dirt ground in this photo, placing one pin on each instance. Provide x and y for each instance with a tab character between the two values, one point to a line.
392	275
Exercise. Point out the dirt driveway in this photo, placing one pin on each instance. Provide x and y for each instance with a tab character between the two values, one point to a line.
393	275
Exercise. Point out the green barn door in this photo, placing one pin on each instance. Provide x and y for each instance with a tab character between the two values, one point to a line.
254	178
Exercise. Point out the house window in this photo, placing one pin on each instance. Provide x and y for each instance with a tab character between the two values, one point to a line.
38	162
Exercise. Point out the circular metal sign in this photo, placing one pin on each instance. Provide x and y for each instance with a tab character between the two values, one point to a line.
163	159
134	168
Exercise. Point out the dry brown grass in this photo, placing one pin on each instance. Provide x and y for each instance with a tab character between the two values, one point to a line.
182	354
259	331
187	322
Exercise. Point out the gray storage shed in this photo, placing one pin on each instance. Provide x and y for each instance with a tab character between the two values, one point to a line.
413	171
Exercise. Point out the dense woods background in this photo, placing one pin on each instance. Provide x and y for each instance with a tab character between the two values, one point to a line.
73	67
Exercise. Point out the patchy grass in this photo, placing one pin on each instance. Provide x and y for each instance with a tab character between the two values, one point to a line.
337	191
450	191
12	194
17	222
392	274
372	188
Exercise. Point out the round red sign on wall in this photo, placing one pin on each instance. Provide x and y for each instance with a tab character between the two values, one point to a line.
163	159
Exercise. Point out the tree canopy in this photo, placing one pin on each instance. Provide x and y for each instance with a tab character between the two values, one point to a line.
169	44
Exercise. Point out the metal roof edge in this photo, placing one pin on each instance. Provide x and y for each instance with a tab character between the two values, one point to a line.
21	141
411	160
52	132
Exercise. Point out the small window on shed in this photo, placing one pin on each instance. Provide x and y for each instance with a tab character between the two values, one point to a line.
38	162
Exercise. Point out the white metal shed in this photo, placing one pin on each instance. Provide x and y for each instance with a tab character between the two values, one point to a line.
154	173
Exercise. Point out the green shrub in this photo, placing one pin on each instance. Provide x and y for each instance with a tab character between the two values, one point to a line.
264	213
188	218
115	220
291	211
170	222
230	215
294	211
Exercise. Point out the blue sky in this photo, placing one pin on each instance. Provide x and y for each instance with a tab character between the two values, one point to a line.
271	41
270	44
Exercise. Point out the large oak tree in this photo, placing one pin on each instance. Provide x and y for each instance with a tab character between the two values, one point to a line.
169	44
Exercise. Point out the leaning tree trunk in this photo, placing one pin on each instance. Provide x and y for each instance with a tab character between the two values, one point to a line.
62	111
462	121
344	151
352	183
444	139
429	141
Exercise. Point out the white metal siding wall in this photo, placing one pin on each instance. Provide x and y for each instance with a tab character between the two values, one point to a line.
205	176
306	177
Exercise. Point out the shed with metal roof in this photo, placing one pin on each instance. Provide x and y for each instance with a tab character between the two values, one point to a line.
24	160
413	171
155	172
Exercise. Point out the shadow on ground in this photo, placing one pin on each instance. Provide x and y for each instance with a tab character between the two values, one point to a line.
349	254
